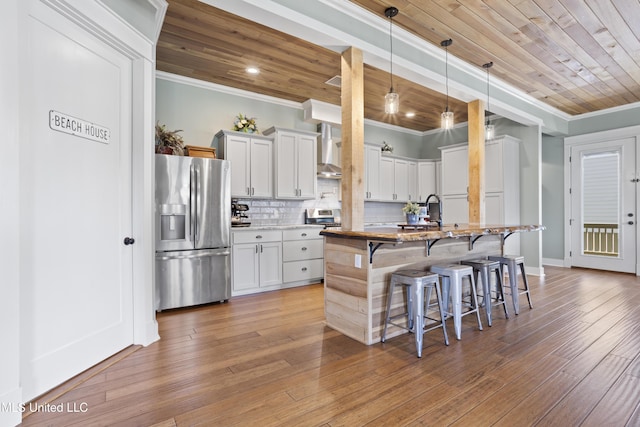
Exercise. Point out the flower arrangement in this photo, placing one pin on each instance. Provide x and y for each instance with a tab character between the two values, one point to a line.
242	123
168	141
411	208
386	148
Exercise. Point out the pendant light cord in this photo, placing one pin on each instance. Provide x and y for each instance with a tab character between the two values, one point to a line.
487	66
391	50
446	44
446	73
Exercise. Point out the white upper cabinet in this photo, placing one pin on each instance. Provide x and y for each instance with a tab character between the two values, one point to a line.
426	180
390	178
455	169
412	181
372	172
251	159
502	185
295	163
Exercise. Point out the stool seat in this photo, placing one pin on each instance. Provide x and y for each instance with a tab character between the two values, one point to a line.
483	268
452	276
513	264
415	282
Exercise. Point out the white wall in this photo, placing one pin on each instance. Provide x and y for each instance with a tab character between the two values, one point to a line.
10	392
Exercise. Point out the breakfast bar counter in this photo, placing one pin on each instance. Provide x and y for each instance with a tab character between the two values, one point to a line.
358	266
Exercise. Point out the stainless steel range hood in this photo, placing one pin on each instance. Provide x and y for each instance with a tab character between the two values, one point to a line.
326	168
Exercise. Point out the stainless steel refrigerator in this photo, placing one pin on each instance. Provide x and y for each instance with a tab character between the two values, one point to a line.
193	231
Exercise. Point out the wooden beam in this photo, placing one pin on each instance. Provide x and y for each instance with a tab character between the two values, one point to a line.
352	140
476	162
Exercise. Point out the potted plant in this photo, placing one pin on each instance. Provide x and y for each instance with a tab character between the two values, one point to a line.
243	123
411	210
168	141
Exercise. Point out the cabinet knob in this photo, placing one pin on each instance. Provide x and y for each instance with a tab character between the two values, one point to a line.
304	248
304	268
304	234
259	236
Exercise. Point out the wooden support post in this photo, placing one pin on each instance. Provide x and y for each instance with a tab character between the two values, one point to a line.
476	162
352	140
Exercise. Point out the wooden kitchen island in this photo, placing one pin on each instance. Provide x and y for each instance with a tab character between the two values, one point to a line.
358	267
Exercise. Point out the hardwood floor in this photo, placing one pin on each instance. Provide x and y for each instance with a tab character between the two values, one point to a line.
268	360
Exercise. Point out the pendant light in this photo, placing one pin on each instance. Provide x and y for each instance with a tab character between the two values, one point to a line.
391	99
489	129
446	119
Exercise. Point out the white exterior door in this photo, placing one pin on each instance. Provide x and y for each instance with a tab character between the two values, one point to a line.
76	273
603	205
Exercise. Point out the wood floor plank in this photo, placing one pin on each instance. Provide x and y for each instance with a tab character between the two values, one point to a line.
270	360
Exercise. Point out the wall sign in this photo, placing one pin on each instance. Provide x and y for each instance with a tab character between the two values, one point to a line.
78	127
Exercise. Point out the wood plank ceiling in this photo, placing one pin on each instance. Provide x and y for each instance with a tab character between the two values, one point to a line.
577	56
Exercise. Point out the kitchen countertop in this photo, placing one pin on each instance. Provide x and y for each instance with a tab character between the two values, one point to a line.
399	235
275	227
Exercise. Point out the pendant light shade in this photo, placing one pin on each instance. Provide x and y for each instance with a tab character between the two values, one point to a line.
391	102
446	119
391	99
489	129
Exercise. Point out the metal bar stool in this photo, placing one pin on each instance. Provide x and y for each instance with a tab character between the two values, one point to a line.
513	262
452	277
484	268
415	282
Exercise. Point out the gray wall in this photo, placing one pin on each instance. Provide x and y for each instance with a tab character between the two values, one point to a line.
553	197
614	120
201	113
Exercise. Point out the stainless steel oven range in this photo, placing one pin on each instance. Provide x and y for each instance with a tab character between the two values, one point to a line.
327	217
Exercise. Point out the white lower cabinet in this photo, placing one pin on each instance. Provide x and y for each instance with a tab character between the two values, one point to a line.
303	255
257	261
265	260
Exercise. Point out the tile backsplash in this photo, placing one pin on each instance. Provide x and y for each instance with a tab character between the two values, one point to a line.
290	212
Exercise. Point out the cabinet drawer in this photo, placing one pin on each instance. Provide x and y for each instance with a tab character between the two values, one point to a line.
302	249
302	270
257	236
302	233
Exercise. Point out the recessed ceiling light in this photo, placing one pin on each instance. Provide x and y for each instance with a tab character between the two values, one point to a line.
253	70
410	114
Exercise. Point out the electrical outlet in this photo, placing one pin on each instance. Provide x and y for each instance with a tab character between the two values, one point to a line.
358	261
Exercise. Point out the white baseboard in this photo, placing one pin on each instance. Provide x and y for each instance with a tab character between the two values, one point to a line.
534	271
553	262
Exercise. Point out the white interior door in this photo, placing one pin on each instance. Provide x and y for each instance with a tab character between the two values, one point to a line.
76	273
603	205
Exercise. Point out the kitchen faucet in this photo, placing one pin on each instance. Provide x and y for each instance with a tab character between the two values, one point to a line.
432	214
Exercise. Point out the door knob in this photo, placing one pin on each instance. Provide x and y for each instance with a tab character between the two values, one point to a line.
129	241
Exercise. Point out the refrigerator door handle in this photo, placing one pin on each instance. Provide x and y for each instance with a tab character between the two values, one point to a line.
192	203
199	254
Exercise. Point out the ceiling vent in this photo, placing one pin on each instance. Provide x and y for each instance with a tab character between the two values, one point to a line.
335	81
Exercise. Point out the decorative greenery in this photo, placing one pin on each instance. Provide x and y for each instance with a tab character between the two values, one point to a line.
168	141
411	208
242	123
386	148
